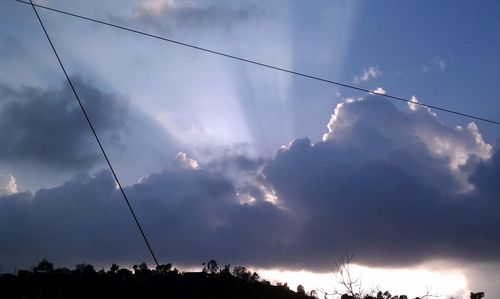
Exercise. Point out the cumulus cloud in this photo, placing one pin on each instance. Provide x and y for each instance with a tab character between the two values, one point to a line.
378	185
47	127
381	185
379	90
371	72
173	14
183	161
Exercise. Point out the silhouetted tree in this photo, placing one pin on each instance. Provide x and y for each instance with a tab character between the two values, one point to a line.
313	294
44	266
114	268
164	269
143	268
352	286
210	267
85	268
80	267
301	290
226	271
478	295
241	272
384	295
281	285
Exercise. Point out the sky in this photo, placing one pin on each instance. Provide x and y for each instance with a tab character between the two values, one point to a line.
227	160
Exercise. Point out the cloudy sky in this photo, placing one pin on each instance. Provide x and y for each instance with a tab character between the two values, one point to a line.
231	161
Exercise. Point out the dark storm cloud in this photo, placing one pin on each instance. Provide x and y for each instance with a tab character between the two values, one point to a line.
190	215
47	127
83	219
487	176
383	211
377	186
172	14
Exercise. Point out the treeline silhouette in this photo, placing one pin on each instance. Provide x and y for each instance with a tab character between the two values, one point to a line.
44	282
164	281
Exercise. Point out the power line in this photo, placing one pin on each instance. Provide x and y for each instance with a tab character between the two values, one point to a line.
387	96
95	135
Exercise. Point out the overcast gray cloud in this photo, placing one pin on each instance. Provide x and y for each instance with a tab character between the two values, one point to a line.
47	127
375	186
11	46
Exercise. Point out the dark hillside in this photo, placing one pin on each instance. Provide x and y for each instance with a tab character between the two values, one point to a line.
163	282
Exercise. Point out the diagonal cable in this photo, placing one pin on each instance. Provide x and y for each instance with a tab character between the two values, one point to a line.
386	96
95	135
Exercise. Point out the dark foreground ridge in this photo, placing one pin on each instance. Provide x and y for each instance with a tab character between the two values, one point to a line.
45	282
141	282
